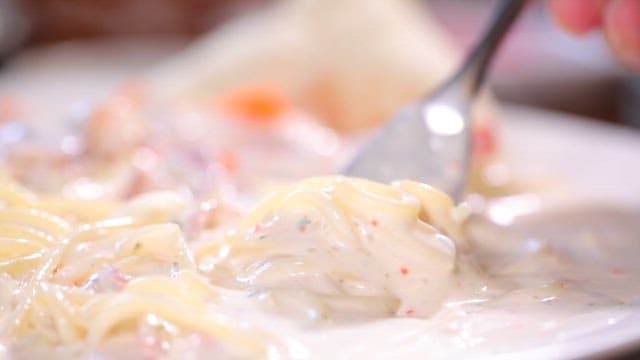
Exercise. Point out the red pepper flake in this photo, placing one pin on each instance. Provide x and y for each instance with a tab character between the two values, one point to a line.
56	269
616	271
303	223
76	283
374	222
409	312
404	271
257	228
121	278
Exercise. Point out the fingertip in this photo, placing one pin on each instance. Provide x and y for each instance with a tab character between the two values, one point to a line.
576	16
622	28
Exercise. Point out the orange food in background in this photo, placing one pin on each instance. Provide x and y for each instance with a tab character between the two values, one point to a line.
260	104
116	126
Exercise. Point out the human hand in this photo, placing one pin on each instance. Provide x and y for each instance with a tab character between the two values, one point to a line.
618	19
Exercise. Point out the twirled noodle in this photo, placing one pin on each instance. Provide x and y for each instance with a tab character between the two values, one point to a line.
85	278
79	287
344	246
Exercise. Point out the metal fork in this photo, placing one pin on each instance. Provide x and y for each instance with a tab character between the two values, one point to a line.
430	140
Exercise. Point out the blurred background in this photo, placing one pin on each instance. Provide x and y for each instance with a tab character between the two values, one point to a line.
539	65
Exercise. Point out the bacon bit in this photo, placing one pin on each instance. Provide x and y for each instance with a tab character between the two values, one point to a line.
76	283
114	127
136	90
484	142
11	106
404	271
409	312
616	271
56	269
374	222
120	277
259	104
302	228
229	161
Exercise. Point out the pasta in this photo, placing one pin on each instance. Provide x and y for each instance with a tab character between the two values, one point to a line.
343	246
81	285
81	278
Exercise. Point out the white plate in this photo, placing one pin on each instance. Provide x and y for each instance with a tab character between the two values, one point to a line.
598	162
595	160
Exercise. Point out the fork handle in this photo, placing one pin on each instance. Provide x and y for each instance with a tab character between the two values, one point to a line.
477	63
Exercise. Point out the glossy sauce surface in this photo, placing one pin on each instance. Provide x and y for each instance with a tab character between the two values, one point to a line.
548	278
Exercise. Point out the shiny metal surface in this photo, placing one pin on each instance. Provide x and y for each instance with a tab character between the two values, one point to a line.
430	140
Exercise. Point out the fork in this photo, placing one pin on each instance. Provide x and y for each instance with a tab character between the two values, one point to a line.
430	139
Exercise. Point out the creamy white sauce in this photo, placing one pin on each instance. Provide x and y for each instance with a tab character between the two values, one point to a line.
529	278
538	281
547	279
337	248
